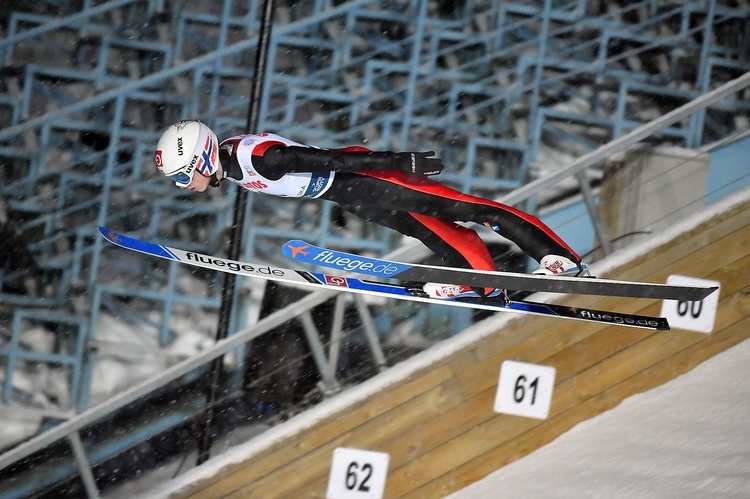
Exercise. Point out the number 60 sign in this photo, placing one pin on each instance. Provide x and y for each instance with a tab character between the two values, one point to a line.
697	316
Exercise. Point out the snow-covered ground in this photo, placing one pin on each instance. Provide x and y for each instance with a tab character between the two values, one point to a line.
689	438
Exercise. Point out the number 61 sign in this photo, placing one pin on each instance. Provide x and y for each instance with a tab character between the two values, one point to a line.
525	389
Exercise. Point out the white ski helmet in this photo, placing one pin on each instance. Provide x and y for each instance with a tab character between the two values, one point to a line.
185	148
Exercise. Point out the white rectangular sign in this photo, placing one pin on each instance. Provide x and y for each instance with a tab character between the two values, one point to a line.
525	389
357	474
697	316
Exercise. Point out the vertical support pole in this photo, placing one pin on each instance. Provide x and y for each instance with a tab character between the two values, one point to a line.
77	368
622	101
12	350
696	120
112	151
206	422
327	374
534	114
602	234
371	333
535	125
216	77
334	348
168	305
87	476
413	70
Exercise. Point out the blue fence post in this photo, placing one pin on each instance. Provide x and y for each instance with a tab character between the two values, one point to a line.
697	119
413	74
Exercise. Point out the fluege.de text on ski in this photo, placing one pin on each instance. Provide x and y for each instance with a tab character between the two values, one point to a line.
360	264
214	262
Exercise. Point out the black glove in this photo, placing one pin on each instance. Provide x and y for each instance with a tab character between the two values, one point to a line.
418	163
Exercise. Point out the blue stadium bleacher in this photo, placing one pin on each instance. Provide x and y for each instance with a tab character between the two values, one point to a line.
87	90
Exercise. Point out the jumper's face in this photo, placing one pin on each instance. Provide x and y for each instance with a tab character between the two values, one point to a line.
200	182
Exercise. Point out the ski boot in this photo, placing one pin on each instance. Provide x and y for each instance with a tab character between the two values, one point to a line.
559	265
447	291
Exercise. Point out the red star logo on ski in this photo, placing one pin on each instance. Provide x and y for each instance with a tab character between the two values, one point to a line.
335	280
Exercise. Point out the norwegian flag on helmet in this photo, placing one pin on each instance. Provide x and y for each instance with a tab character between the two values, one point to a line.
207	157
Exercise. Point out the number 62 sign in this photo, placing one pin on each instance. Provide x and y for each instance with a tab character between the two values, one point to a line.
357	474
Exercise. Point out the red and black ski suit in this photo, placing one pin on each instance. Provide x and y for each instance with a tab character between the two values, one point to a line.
376	187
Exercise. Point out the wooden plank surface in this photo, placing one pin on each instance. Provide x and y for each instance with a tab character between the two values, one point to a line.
540	435
438	425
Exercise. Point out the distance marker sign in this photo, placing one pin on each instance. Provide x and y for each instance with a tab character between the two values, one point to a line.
525	389
697	316
357	474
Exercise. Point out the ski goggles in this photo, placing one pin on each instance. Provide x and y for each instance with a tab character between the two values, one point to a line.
182	178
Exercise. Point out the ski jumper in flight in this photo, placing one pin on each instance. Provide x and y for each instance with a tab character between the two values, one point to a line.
392	189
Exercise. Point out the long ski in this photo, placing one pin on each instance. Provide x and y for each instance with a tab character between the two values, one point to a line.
377	267
352	285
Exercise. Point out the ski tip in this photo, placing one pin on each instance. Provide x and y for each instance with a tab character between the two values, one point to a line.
699	293
107	234
115	238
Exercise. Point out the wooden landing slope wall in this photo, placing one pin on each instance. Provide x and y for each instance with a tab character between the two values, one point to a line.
438	425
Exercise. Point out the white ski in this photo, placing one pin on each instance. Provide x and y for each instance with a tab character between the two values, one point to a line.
377	267
352	285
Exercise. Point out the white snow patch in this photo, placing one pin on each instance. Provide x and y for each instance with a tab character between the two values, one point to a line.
129	363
